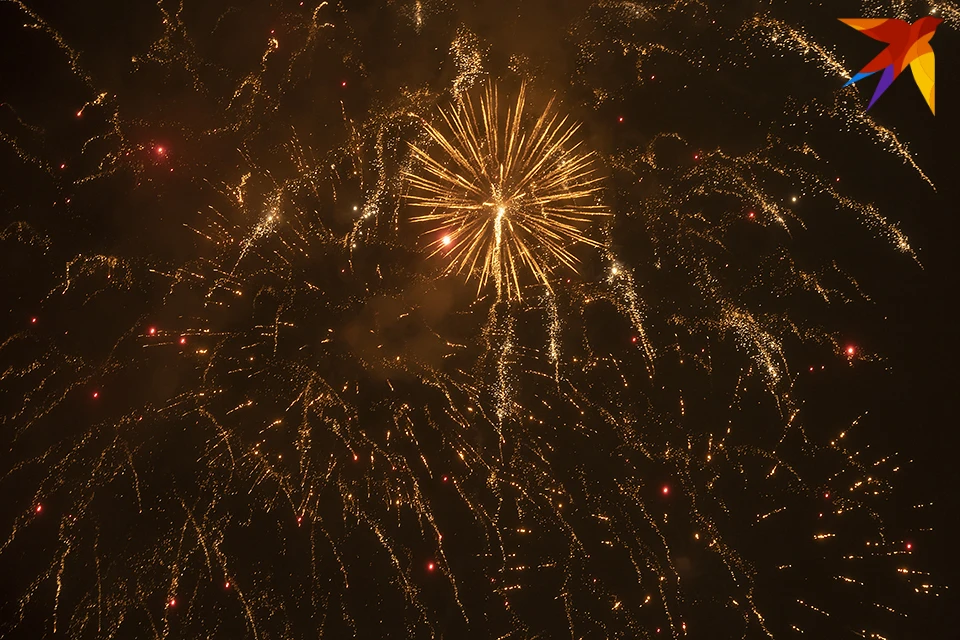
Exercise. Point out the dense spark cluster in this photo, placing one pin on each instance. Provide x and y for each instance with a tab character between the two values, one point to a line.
244	404
506	197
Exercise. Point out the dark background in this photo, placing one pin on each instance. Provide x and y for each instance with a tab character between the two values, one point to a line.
910	391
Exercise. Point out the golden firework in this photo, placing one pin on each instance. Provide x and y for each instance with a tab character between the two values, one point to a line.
505	189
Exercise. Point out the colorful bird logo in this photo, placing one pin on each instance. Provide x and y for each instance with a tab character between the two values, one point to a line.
908	44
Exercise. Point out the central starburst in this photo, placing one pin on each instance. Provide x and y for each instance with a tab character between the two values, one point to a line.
506	190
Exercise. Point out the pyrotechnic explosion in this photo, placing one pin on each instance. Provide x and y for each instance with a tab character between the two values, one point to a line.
259	409
510	196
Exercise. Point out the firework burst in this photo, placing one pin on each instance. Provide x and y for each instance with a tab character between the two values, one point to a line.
506	190
253	413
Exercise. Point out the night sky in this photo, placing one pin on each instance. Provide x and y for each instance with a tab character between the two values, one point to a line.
245	392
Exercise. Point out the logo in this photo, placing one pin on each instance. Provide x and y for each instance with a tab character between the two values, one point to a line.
907	44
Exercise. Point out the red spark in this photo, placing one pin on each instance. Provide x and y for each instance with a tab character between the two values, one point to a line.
446	478
226	585
161	151
183	341
811	369
851	350
751	215
696	156
666	490
33	320
80	113
633	339
173	602
343	84
63	166
909	546
431	566
39	508
355	457
827	495
620	119
96	394
152	331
